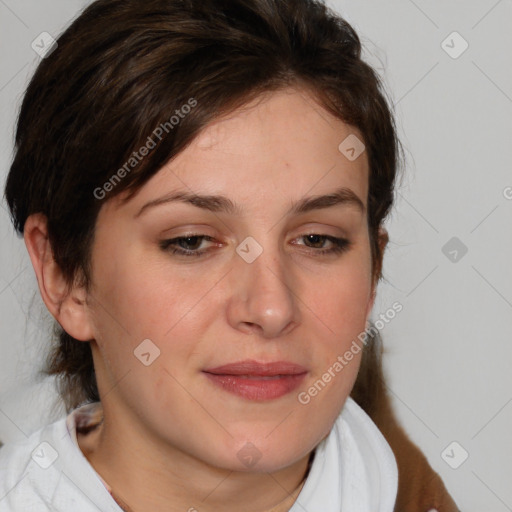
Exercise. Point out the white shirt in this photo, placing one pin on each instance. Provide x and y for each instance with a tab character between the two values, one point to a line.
354	470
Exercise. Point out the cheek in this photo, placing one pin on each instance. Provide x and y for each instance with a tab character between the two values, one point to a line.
138	301
341	301
131	293
341	307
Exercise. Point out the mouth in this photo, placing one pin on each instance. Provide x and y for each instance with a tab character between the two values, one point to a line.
257	381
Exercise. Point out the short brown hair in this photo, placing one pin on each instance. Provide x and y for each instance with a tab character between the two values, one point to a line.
123	67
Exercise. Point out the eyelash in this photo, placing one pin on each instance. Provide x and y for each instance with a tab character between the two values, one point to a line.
340	245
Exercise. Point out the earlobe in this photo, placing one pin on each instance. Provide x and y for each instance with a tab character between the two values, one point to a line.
66	304
383	241
370	303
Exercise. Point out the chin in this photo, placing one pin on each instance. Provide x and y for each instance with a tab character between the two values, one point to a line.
264	456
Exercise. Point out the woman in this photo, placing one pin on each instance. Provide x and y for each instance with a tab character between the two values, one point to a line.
202	187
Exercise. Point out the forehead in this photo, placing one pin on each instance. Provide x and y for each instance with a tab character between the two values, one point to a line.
279	146
289	121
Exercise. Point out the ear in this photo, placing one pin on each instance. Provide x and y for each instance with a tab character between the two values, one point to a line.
382	241
66	304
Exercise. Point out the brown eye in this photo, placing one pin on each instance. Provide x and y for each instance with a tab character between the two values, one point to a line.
190	243
317	241
185	245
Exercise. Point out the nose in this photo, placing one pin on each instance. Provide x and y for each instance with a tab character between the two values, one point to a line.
263	300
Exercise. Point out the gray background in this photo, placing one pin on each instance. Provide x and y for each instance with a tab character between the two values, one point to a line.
449	352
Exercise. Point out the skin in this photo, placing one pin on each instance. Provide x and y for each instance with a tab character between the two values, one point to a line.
170	437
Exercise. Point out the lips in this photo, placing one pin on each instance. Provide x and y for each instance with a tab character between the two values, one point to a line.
251	368
252	380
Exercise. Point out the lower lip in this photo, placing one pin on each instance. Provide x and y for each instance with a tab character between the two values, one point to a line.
258	388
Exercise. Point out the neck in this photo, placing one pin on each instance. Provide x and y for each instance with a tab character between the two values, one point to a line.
143	476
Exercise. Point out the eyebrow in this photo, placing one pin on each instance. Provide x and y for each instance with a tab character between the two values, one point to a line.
215	203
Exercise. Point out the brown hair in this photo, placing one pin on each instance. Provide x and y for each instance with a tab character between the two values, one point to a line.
125	67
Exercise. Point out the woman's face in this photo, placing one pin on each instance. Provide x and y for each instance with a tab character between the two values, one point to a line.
246	283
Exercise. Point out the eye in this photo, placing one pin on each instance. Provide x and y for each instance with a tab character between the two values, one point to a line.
186	245
317	241
190	245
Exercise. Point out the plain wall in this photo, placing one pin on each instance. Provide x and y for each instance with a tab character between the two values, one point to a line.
448	352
